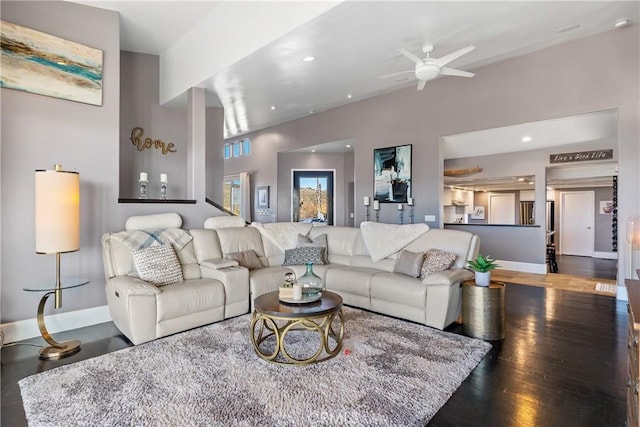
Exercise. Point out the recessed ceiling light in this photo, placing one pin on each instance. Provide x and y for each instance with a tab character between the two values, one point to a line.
520	179
531	182
313	151
568	29
549	188
349	95
312	111
621	23
348	145
273	107
526	139
308	58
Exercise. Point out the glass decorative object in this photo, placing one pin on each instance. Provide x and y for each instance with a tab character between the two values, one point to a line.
311	283
143	189
163	191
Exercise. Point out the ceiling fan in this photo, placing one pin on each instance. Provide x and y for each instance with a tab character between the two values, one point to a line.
430	68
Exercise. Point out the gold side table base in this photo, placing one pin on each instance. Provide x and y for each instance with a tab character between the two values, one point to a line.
265	326
57	350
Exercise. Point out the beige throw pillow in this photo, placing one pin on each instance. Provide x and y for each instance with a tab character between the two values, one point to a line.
436	260
158	265
248	259
409	263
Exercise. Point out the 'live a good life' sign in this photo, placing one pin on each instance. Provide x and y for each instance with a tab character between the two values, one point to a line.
581	156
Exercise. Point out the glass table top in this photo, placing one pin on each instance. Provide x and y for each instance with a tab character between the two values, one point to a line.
66	283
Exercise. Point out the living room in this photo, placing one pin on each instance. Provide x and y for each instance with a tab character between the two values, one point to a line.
40	131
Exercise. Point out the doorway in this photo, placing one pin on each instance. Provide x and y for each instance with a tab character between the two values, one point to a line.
312	196
502	208
577	223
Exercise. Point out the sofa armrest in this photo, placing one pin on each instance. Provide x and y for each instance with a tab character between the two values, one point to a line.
447	277
218	263
128	285
236	287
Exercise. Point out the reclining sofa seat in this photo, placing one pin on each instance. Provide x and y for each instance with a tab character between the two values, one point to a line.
144	312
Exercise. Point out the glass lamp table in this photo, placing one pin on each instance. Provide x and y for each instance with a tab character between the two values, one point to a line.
56	350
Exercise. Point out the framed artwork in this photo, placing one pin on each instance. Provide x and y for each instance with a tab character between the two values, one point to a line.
36	62
478	212
392	174
263	197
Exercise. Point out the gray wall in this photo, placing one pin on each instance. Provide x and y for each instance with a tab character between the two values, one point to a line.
503	242
139	107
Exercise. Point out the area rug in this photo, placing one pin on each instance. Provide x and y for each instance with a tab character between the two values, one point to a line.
389	373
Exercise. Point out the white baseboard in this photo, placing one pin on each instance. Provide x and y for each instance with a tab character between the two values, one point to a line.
28	328
523	267
605	255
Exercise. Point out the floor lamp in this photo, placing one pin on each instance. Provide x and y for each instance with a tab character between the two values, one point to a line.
57	214
633	238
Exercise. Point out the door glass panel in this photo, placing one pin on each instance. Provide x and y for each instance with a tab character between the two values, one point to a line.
313	197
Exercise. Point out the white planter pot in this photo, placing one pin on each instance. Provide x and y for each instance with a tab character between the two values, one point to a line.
483	279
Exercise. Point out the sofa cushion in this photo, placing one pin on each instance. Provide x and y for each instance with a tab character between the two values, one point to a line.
247	259
399	289
436	260
318	241
300	256
353	280
191	296
158	265
409	263
266	280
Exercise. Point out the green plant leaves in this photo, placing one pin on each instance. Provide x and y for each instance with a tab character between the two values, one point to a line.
482	264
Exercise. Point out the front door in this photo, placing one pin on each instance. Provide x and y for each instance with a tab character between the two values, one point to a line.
576	223
312	197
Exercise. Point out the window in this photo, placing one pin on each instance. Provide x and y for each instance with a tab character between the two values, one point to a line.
237	148
232	194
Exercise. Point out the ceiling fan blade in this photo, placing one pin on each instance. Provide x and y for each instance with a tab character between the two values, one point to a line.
410	55
445	71
386	76
421	84
441	62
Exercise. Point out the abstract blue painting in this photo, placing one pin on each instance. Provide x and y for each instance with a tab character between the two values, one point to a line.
36	62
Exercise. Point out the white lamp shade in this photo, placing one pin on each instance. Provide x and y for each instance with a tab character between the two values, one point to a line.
633	232
57	209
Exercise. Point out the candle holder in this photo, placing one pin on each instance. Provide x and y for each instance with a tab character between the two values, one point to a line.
366	212
411	214
163	190
143	189
400	216
377	215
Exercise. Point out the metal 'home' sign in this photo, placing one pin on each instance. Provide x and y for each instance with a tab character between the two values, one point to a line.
581	156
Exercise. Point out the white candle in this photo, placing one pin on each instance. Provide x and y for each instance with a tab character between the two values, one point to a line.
143	176
297	291
366	201
410	201
163	177
400	207
376	205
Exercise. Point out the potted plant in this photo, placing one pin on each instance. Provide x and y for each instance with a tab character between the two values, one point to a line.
482	267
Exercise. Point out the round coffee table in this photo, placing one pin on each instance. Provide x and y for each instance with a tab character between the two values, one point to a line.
272	322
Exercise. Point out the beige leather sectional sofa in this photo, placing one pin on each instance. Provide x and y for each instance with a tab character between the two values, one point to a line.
360	269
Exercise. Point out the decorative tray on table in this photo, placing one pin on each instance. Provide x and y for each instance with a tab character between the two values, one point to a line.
304	300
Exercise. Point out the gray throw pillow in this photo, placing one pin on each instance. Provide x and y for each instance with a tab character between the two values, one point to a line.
409	263
319	241
248	259
301	256
158	265
436	260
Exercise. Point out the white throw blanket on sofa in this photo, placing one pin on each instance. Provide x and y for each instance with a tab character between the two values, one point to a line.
283	234
383	240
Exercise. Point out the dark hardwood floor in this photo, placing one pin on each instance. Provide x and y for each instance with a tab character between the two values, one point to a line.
562	363
588	266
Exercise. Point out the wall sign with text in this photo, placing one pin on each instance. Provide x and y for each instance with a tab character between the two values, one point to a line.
142	144
581	156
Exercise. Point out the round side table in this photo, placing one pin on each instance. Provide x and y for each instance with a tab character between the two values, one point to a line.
483	310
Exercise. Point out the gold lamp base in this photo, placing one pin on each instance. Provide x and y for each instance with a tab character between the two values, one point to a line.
57	350
63	349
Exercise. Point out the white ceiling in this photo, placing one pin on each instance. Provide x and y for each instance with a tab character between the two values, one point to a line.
354	43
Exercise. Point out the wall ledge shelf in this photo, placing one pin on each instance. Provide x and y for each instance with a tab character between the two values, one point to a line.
161	201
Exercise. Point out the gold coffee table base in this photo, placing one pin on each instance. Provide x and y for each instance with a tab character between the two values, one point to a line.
58	350
265	326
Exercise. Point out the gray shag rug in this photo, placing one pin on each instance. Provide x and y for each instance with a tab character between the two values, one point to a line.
388	373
